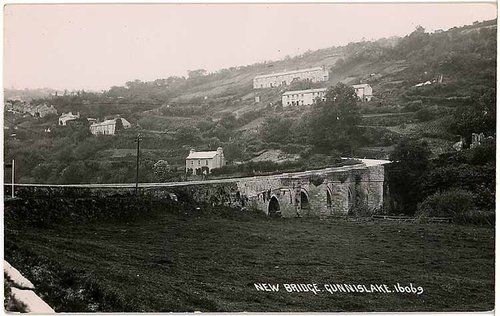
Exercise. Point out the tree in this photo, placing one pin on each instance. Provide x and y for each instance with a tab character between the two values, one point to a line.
233	151
192	74
477	117
333	123
187	135
76	172
277	130
161	171
228	120
410	161
119	124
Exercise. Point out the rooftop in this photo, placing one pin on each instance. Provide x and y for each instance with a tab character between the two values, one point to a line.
70	115
289	72
362	85
107	122
202	155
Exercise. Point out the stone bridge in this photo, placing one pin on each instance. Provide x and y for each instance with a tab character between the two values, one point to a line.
321	193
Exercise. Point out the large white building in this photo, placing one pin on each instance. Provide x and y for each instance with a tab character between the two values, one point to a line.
108	127
302	97
202	162
363	91
285	78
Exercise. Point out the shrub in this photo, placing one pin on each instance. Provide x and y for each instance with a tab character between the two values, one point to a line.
479	180
316	179
293	148
455	203
486	218
425	114
484	153
413	106
360	210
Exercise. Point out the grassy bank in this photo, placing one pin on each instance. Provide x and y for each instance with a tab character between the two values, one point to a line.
187	261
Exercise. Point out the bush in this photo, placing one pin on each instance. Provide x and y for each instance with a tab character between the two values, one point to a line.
360	210
425	115
486	218
293	148
484	153
413	106
479	180
455	203
316	179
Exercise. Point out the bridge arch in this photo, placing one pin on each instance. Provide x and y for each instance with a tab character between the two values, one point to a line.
274	207
304	199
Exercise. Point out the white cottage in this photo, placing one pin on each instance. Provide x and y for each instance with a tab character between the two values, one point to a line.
202	162
65	117
108	127
363	91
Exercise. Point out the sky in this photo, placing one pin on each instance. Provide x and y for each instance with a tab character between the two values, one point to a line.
96	46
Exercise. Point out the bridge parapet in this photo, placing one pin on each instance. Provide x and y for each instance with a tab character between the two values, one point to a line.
312	193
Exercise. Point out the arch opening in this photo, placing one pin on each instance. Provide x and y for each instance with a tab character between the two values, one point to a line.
304	200
274	207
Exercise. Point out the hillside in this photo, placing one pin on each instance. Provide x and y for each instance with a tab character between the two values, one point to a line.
219	109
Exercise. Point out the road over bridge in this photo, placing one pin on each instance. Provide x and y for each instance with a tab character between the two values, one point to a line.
321	192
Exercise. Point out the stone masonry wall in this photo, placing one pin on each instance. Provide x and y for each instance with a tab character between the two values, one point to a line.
348	187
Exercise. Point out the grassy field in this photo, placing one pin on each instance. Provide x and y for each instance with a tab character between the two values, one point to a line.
191	262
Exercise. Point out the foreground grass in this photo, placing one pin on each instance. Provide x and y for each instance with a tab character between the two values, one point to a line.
182	262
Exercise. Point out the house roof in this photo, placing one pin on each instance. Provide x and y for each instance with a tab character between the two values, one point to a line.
202	155
362	85
69	115
125	123
304	91
288	72
107	122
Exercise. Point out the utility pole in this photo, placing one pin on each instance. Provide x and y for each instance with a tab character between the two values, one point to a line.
13	177
137	166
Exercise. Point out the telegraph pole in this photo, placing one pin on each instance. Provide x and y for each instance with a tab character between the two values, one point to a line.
13	177
138	140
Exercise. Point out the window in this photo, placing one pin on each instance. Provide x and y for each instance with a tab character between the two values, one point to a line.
206	162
